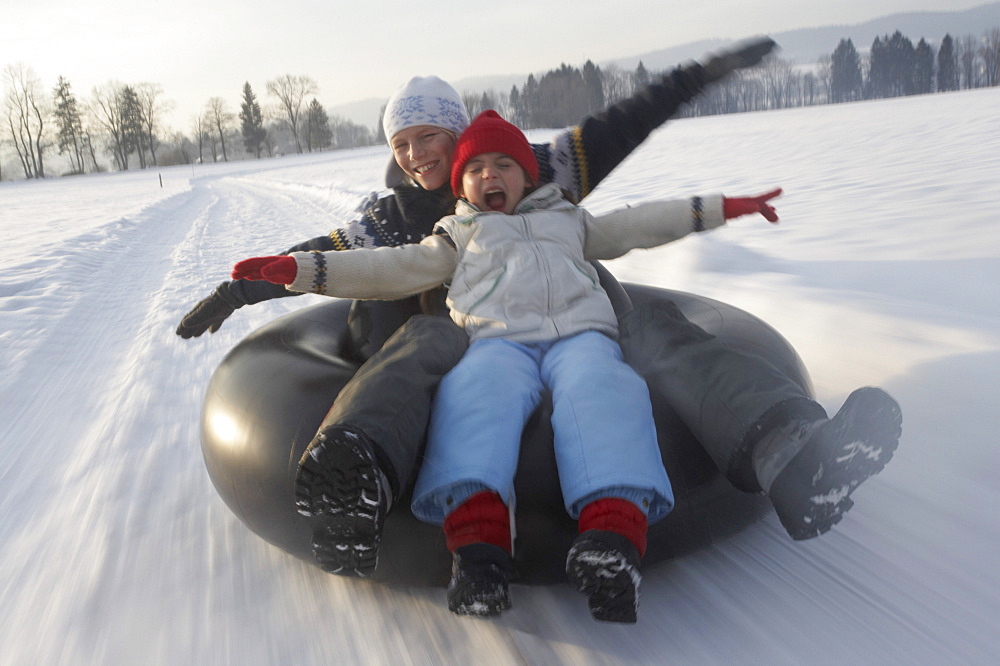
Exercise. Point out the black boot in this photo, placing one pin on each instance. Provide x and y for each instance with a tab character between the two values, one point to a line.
480	578
341	485
809	469
605	566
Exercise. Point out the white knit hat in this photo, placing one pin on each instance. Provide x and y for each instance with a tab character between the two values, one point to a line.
424	100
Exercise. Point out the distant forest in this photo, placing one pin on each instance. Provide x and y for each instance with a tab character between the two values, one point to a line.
119	126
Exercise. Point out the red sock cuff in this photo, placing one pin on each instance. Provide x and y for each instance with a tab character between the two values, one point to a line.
483	518
612	514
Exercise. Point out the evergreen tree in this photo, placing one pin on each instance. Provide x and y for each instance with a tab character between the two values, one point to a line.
947	66
131	126
517	115
593	81
878	70
641	75
72	138
845	73
488	101
530	101
892	65
902	57
561	99
318	134
923	68
252	122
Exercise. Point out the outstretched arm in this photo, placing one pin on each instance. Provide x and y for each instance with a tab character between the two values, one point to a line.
580	158
210	312
386	273
660	222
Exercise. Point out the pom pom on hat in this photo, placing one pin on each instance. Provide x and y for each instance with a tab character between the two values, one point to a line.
489	133
423	100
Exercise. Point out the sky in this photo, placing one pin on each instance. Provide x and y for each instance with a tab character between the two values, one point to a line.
115	547
356	50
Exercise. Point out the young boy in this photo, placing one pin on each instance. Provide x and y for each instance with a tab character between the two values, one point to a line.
516	260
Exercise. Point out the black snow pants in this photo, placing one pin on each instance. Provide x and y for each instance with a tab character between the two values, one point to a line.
727	398
389	398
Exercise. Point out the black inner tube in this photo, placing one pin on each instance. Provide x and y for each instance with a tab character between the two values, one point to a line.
270	393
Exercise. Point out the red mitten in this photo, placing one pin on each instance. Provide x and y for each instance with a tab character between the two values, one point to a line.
739	206
279	270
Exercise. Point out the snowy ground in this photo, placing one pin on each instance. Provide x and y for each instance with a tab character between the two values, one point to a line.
115	548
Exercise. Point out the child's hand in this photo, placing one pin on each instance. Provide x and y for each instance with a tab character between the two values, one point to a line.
739	206
279	270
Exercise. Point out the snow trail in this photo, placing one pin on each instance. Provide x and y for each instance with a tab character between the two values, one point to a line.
115	548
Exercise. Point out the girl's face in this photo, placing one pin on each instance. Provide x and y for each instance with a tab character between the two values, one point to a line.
494	181
424	154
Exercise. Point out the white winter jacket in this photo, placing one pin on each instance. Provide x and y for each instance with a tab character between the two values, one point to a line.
523	276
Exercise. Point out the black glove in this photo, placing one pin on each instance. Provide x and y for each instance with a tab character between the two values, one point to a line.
208	315
749	53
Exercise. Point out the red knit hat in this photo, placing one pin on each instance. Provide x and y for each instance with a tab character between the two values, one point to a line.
489	133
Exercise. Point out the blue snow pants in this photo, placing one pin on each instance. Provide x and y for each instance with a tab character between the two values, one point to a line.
605	439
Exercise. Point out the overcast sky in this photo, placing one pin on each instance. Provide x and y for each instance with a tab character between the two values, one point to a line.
197	49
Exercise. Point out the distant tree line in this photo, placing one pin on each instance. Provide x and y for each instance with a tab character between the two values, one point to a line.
892	67
124	122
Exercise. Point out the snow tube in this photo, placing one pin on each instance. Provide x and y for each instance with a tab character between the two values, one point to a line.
268	396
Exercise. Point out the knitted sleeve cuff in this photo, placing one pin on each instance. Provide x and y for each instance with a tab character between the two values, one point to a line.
311	275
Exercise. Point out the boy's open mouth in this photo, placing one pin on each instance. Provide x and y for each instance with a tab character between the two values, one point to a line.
495	199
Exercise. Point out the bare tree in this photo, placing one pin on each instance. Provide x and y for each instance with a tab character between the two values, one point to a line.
777	77
209	137
966	51
26	113
617	83
990	54
108	112
201	134
824	76
220	118
151	107
291	92
471	102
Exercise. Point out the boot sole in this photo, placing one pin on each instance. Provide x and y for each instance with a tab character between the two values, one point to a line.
337	484
857	444
480	599
611	585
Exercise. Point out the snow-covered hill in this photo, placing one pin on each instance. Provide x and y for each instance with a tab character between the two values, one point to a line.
115	548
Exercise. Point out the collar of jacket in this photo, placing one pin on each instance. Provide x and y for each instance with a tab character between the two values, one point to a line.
545	197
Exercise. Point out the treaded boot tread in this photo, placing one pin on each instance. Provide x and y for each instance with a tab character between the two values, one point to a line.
480	578
338	485
812	493
607	571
